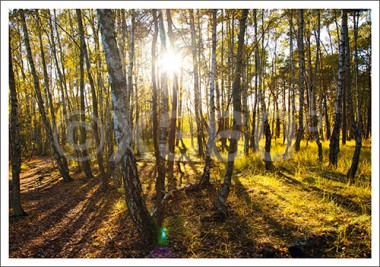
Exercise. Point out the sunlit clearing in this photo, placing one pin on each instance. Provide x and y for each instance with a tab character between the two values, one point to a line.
171	63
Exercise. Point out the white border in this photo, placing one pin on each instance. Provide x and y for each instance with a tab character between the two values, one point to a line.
6	5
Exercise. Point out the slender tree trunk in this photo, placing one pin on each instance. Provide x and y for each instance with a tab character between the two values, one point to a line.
265	115
59	157
99	155
245	109
254	141
46	80
313	113
14	130
211	137
60	77
354	124
61	55
236	92
300	129
173	120
145	224
83	138
131	57
164	119
334	138
196	84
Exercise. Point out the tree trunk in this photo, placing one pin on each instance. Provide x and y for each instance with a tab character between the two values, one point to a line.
313	113
236	93
14	130
211	137
46	80
196	84
357	134
300	129
59	157
83	138
334	138
60	78
131	56
145	224
159	160
99	155
254	141
265	115
173	120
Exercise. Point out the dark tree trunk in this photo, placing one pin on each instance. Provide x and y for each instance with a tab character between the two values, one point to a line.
236	93
99	156
173	120
159	161
334	138
265	115
254	141
14	130
83	138
354	125
300	129
145	224
59	157
313	113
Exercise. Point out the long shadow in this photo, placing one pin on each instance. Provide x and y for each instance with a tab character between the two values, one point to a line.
339	199
279	227
53	205
285	230
90	217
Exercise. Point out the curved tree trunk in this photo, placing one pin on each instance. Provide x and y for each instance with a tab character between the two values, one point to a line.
145	224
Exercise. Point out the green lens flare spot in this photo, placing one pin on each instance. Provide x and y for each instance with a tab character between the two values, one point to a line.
163	239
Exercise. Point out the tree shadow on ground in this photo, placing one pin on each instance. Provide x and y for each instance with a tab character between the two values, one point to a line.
295	242
344	201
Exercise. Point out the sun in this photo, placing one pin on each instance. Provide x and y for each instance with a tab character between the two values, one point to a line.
171	63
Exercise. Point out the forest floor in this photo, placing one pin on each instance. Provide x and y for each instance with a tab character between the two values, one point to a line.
301	209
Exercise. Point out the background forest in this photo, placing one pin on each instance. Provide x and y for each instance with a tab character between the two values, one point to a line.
192	133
